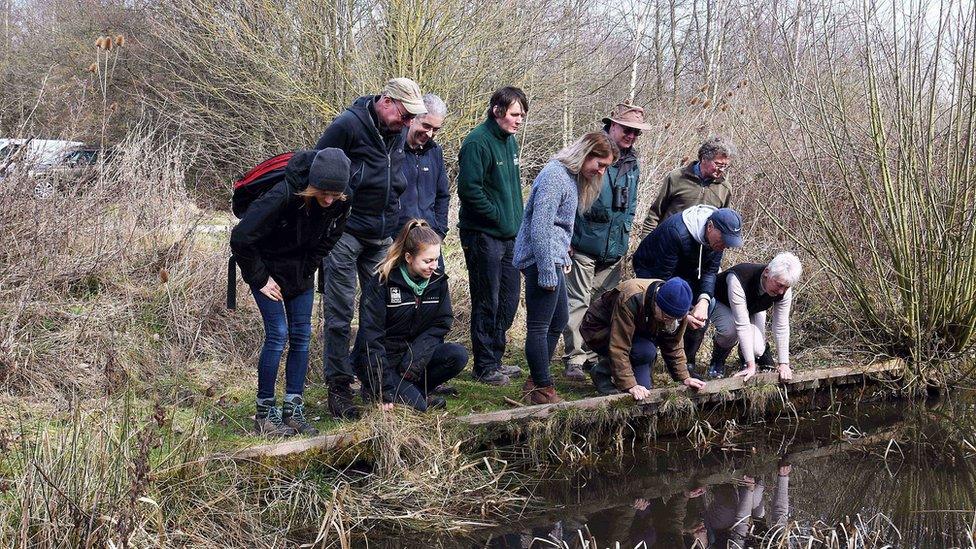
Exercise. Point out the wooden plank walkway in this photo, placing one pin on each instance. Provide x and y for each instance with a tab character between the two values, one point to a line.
728	390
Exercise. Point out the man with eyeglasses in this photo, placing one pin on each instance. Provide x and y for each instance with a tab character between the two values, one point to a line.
700	182
601	235
627	325
370	132
427	195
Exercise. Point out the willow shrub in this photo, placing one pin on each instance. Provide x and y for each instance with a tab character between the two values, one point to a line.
877	169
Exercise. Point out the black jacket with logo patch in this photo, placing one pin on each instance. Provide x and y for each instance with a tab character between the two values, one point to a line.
399	330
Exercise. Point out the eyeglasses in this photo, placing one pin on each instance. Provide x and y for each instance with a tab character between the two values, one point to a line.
632	131
405	116
721	165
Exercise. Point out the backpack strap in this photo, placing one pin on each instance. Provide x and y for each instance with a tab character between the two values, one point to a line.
231	283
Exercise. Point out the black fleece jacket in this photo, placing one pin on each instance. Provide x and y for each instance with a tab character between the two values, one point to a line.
282	237
376	160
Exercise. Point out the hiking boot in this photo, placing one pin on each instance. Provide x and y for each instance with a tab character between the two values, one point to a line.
511	371
539	395
267	419
716	369
436	403
574	372
446	390
493	377
341	403
293	415
602	380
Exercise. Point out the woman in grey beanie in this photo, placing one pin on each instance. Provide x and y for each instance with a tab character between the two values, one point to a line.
279	243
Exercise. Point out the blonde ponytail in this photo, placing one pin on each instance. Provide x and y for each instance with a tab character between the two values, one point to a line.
414	236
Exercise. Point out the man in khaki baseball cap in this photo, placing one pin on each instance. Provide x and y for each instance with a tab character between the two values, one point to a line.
407	92
371	134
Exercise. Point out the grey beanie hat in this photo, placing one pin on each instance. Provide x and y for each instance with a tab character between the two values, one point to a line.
329	171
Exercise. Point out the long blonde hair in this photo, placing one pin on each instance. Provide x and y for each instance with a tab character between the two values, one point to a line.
590	144
414	237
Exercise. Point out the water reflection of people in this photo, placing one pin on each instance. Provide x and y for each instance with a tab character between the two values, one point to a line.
735	508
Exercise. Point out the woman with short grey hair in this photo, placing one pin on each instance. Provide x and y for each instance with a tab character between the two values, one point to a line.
744	293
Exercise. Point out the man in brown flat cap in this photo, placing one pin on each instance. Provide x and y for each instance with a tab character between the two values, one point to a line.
602	234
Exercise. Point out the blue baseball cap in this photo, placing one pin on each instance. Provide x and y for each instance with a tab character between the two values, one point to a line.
729	223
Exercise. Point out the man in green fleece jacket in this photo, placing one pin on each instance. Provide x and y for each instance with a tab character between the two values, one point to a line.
490	193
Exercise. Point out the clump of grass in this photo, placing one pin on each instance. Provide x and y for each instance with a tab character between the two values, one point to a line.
678	408
422	478
759	398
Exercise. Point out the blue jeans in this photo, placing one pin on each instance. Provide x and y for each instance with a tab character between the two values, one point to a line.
289	322
351	257
546	316
495	285
643	353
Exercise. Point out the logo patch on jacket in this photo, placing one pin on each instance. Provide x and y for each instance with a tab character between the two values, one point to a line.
395	298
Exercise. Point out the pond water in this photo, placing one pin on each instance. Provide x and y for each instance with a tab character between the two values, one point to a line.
900	472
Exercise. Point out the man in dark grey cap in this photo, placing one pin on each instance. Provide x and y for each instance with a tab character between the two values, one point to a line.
370	133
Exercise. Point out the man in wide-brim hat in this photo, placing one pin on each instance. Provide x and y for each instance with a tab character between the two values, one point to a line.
601	235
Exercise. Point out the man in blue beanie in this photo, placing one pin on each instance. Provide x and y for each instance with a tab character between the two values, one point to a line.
690	246
628	324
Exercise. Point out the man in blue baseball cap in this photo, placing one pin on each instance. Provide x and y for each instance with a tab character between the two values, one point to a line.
690	246
627	325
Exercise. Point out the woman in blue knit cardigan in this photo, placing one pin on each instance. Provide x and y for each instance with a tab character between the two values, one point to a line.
571	180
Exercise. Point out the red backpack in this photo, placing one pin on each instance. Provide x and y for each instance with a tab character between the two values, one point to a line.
257	181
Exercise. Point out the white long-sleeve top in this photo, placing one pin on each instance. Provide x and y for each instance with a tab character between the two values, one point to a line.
744	322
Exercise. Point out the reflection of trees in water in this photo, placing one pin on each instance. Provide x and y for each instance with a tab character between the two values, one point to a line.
654	501
924	482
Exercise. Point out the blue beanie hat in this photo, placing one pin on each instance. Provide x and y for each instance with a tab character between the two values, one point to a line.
674	298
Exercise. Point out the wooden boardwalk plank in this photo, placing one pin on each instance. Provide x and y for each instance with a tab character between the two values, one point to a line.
731	389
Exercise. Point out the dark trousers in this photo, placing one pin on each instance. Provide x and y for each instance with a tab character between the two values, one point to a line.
546	316
288	323
350	260
643	353
446	362
495	286
693	338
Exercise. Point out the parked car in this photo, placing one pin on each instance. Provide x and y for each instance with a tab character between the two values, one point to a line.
77	167
26	154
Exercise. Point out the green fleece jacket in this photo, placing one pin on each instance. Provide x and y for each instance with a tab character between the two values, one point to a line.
489	182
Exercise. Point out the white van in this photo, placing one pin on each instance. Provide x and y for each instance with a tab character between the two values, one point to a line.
25	155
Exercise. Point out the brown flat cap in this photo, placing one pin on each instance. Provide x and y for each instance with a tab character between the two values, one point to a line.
631	116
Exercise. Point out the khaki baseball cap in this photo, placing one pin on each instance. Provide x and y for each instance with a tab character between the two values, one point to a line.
406	91
631	116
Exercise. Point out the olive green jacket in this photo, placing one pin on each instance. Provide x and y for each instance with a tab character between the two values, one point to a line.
683	189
